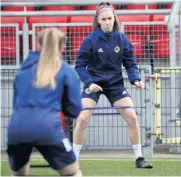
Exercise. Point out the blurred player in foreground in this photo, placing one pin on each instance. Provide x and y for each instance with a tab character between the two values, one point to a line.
44	86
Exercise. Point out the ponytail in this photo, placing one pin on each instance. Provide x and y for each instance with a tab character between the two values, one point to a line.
51	40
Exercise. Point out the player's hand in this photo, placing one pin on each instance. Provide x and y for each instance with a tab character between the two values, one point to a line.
139	84
95	88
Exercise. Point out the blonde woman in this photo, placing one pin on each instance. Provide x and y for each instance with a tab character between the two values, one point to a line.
98	65
44	86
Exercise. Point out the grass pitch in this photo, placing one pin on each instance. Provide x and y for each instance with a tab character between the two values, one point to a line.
110	167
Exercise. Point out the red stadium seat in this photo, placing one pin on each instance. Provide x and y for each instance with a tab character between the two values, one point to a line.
8	39
81	28
18	8
160	17
161	46
169	6
60	8
37	45
56	8
137	18
138	42
159	38
8	30
93	7
159	28
78	33
8	48
89	7
76	41
144	29
47	19
12	20
135	7
82	19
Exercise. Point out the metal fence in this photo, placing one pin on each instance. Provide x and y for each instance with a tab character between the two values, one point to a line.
153	47
150	40
7	79
106	129
10	44
168	107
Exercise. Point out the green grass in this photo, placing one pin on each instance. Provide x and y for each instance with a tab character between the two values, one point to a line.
162	167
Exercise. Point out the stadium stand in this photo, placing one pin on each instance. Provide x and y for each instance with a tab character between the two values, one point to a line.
159	38
18	8
78	33
139	35
93	7
169	6
54	8
8	46
46	19
136	7
12	20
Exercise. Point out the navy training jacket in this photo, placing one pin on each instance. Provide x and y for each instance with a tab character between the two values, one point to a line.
101	57
35	115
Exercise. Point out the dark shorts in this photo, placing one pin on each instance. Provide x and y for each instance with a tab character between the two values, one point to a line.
113	94
58	156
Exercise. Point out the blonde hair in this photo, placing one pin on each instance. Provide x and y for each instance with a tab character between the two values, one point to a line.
102	5
51	40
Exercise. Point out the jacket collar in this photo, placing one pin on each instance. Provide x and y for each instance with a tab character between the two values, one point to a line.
31	60
102	34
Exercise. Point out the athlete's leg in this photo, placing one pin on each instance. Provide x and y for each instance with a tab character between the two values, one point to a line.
81	124
18	156
61	158
130	117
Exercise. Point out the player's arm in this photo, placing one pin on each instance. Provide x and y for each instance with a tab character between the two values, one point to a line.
71	102
129	61
82	63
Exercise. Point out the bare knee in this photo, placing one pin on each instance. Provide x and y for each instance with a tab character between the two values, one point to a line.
71	170
24	171
82	122
132	121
